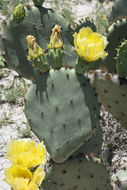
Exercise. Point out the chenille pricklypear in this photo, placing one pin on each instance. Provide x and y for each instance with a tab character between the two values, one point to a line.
61	105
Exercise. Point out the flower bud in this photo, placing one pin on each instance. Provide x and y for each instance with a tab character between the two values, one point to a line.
55	41
34	50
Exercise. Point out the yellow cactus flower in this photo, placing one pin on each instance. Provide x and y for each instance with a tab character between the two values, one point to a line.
37	177
55	41
90	45
20	178
26	153
34	50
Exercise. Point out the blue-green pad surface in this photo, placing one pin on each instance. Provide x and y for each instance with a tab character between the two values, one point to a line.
116	33
77	173
63	110
112	93
118	9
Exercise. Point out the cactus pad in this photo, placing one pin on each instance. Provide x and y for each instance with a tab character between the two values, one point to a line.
79	172
112	93
85	23
38	2
63	110
119	9
38	22
116	33
93	145
121	60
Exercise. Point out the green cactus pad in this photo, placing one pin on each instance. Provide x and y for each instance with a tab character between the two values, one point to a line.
62	109
42	65
39	23
116	33
112	93
93	145
38	2
85	23
55	57
79	172
81	66
121	60
119	9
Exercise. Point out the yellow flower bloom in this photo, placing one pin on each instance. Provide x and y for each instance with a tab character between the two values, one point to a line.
34	50
26	153
55	41
37	178
20	178
90	45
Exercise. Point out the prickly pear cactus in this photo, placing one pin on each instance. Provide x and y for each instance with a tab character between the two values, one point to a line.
116	33
62	110
112	93
119	9
93	145
121	60
38	22
78	172
38	3
87	22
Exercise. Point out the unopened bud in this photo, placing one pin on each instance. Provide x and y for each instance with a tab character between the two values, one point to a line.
34	50
19	12
55	41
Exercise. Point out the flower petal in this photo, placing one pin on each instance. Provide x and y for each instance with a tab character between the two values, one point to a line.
90	45
26	153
